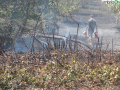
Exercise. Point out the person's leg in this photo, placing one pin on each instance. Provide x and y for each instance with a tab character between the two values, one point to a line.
90	37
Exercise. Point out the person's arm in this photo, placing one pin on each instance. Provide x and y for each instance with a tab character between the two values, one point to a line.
96	28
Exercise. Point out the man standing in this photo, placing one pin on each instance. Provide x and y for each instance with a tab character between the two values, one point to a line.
91	26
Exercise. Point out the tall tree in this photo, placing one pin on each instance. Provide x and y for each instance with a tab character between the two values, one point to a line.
17	16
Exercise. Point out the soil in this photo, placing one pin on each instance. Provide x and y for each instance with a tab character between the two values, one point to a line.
108	30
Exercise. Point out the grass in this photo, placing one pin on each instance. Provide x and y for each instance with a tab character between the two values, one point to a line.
67	70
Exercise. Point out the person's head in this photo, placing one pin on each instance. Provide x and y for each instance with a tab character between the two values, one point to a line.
91	16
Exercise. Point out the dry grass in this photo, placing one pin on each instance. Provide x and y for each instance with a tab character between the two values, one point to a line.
60	70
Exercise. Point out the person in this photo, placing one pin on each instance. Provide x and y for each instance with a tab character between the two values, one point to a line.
91	26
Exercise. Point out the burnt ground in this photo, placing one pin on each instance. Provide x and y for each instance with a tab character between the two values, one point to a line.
106	23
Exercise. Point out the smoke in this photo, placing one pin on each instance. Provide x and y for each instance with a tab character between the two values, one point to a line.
67	33
82	27
20	43
66	29
28	42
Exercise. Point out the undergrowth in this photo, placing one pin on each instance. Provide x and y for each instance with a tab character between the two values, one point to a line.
67	71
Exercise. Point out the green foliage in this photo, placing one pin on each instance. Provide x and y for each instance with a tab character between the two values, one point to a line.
18	16
33	16
115	8
66	7
15	13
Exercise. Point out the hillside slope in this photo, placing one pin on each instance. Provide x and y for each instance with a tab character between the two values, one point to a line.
100	11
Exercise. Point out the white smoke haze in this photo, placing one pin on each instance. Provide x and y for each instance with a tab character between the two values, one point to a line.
66	28
107	35
70	27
